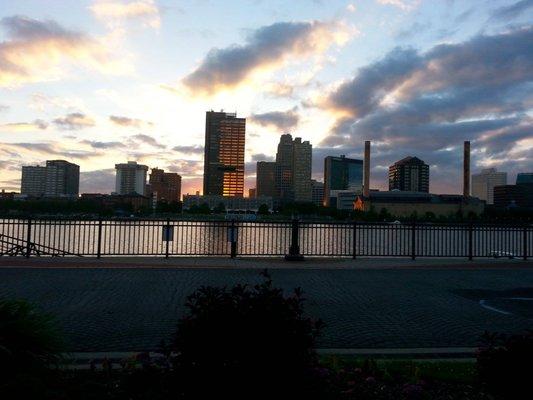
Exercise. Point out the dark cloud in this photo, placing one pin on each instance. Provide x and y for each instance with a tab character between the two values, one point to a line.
52	150
146	139
426	104
262	157
507	13
266	46
99	181
74	121
186	168
281	120
103	145
189	149
41	43
126	121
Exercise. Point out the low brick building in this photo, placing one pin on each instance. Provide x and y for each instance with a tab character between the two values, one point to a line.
404	204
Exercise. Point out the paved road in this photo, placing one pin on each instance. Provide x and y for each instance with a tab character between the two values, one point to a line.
132	309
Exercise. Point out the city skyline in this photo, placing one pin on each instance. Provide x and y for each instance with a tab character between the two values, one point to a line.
131	80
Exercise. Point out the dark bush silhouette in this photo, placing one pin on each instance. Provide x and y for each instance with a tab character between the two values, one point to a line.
504	364
246	342
29	345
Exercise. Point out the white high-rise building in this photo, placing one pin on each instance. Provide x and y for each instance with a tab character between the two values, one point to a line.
484	182
131	178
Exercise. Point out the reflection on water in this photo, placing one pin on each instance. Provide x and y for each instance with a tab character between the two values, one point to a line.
133	237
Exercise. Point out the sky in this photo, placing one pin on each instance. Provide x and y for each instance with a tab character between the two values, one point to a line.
99	82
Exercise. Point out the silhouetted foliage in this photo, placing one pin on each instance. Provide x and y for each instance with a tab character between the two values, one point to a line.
29	345
263	210
504	364
247	342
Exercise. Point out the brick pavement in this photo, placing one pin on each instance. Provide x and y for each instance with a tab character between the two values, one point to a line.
132	309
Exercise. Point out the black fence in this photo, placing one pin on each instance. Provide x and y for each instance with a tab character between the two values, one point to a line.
167	238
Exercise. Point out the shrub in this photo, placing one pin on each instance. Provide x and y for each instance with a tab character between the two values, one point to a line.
504	364
29	345
247	342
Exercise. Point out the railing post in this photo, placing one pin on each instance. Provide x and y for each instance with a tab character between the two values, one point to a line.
470	241
167	237
524	245
294	249
413	241
233	238
99	248
354	250
28	239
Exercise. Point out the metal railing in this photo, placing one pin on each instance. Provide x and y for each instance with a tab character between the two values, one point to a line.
156	237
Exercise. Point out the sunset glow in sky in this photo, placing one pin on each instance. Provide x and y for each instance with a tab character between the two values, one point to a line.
98	82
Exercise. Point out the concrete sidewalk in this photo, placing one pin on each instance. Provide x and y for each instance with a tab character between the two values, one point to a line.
262	263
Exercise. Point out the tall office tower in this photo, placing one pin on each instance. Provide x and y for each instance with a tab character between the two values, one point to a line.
293	169
266	179
62	179
58	178
131	178
224	154
165	186
409	174
484	182
301	169
33	182
341	173
284	172
318	192
524	177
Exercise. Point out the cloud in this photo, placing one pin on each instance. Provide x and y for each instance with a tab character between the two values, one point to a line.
103	145
262	157
149	140
49	149
36	125
281	120
114	12
266	48
99	181
126	121
426	104
189	149
74	121
405	5
42	50
507	13
3	108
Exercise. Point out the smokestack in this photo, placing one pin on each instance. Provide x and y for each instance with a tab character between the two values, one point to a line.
466	169
366	183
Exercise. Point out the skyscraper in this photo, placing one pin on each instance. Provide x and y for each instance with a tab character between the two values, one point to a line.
409	174
341	173
130	178
318	192
33	182
483	183
293	169
224	154
58	178
165	186
266	179
62	179
301	167
524	177
284	172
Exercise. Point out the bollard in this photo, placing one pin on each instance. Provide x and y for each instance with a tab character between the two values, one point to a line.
294	250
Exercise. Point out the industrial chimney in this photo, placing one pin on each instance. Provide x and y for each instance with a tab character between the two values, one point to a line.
366	182
466	169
